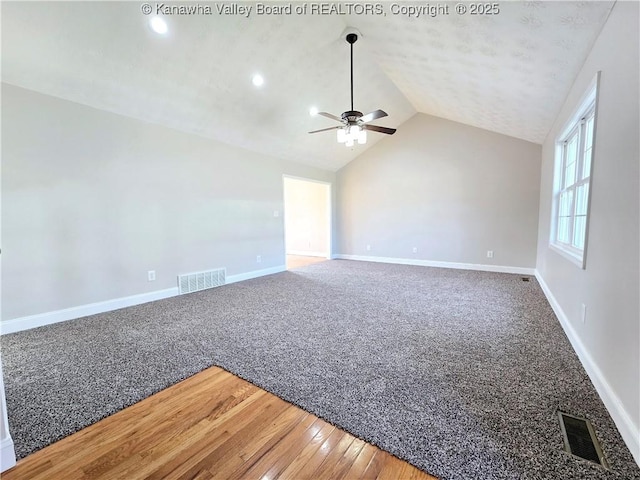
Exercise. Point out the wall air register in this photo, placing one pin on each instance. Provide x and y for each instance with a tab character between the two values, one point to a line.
194	282
580	438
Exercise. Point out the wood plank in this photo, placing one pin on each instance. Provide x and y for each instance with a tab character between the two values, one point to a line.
297	261
340	468
322	453
295	468
212	425
375	465
360	463
228	458
393	469
267	438
273	462
336	453
174	459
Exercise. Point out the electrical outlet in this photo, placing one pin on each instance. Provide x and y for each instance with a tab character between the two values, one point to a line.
583	316
368	247
415	249
258	258
276	213
489	253
151	275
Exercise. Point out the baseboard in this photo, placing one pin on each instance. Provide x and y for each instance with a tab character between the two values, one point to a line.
7	454
255	274
628	430
304	253
433	263
39	320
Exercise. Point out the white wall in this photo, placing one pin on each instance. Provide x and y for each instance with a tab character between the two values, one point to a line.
307	222
451	190
608	341
92	200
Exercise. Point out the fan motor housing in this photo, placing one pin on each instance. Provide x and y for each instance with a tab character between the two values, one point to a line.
351	116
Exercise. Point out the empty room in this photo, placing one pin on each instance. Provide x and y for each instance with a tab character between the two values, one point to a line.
320	240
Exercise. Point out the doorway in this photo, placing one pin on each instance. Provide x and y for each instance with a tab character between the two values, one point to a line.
307	221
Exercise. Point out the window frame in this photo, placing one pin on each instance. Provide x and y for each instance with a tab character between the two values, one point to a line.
576	125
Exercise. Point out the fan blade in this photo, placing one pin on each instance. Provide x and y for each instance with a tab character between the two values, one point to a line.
376	128
326	129
332	117
373	115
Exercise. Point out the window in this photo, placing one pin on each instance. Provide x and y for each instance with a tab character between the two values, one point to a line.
574	156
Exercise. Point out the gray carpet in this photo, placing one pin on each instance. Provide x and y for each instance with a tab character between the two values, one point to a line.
458	372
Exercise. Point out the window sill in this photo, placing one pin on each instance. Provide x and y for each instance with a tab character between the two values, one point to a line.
572	257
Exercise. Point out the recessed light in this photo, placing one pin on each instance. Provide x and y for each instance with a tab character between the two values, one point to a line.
258	80
313	111
158	25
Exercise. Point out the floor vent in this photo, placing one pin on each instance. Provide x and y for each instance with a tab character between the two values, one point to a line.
580	438
194	282
525	279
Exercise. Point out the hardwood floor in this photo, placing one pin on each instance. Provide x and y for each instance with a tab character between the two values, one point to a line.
295	261
213	425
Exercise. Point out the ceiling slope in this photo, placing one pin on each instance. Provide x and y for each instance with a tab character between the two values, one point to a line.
507	73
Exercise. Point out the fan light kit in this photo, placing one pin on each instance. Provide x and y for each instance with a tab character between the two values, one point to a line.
354	124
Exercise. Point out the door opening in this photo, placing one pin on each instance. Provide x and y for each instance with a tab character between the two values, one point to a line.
307	221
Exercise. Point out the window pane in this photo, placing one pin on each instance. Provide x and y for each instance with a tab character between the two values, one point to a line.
570	161
582	196
565	203
579	231
569	175
588	143
586	168
589	133
563	229
572	147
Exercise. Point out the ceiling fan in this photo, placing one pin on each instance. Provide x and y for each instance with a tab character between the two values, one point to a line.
354	124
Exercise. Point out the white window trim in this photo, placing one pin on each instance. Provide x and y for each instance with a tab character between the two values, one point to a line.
578	257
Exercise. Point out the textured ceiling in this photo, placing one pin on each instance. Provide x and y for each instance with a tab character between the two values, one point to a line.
508	73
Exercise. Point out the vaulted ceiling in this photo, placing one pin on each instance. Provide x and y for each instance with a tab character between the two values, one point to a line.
508	72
